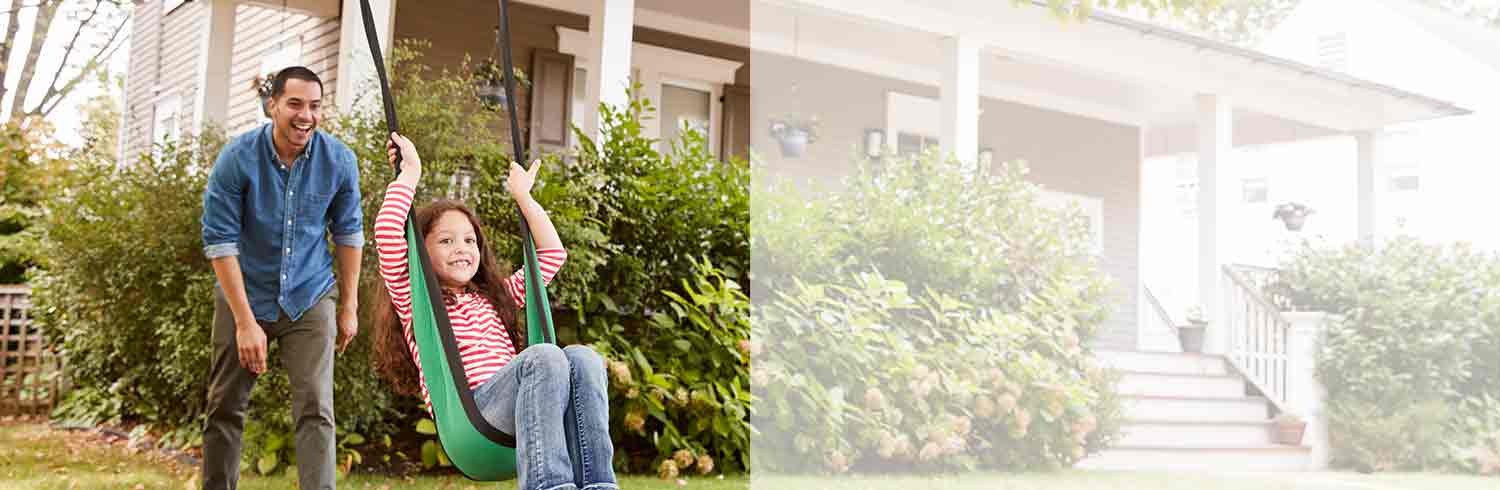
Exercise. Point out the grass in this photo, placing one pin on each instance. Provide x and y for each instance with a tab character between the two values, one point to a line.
1080	480
35	456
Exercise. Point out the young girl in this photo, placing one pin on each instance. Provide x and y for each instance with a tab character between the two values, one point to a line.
552	400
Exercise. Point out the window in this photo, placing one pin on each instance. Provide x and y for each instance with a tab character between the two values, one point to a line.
682	105
284	53
1403	180
164	129
1253	191
1092	210
909	144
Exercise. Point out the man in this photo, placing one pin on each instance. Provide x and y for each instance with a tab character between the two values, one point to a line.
273	195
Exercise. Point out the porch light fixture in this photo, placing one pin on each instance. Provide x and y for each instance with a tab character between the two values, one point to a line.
874	139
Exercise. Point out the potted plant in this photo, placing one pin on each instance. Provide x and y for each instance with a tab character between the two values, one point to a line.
1292	214
794	133
262	86
489	82
1289	429
1190	335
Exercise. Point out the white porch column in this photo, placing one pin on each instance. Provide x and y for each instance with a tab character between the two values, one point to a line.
217	42
1215	134
960	98
357	88
611	33
1368	152
1305	395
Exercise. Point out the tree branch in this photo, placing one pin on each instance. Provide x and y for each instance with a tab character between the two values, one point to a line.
67	53
98	61
40	25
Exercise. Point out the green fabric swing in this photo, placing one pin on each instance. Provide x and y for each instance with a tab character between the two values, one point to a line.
480	451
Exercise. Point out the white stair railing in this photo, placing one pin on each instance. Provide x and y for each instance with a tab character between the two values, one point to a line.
1257	332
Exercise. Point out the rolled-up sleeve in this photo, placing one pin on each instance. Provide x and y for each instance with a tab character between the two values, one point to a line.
222	200
347	226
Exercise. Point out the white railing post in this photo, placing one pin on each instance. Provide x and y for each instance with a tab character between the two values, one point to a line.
1305	395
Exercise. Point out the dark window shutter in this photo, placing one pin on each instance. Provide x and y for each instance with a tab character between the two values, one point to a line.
551	101
735	142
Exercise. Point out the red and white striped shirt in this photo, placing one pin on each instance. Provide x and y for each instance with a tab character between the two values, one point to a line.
483	343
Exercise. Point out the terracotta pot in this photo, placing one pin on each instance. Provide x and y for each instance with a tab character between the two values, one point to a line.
1191	337
1290	433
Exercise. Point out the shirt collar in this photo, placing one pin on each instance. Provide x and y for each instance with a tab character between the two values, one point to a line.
268	143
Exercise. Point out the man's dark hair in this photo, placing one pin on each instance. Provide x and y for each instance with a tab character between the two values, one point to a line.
278	84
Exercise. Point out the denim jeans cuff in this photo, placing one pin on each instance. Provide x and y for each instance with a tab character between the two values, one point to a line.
600	486
565	486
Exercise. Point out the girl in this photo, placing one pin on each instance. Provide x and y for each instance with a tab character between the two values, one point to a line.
551	400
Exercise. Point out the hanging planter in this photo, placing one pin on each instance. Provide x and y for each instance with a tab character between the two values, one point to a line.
263	87
793	134
1292	214
489	84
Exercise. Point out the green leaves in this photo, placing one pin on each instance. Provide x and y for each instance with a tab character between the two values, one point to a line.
1417	340
426	427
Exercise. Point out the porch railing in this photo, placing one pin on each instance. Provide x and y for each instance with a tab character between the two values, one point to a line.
1161	319
1257	332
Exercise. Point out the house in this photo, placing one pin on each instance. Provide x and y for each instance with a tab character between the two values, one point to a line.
1085	103
1428	175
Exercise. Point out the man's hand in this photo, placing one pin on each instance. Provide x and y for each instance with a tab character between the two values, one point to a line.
251	340
348	325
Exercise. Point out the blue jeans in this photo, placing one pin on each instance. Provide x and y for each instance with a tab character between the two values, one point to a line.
553	400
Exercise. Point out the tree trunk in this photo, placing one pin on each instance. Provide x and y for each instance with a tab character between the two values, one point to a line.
11	28
42	23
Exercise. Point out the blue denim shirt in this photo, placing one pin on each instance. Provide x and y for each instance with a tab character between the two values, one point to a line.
276	218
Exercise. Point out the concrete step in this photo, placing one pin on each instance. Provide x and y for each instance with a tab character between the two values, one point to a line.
1164	362
1183	385
1173	433
1202	458
1194	409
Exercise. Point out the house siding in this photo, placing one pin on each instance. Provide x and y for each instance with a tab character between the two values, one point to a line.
165	52
257	32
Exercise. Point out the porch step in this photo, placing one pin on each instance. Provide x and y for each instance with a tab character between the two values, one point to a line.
1194	409
1267	457
1180	385
1175	433
1165	362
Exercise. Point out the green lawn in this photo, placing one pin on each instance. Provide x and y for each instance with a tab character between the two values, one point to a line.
34	456
1080	480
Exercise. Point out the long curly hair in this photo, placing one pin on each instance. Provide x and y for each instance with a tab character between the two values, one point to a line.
393	360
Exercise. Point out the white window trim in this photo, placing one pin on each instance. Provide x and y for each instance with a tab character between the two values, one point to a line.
657	65
167	6
165	116
1091	207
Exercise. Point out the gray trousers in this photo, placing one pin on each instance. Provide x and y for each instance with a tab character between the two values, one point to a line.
307	354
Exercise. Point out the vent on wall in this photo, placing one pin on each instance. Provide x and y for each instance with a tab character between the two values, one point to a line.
1333	51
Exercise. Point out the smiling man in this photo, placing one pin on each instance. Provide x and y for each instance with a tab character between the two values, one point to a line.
274	195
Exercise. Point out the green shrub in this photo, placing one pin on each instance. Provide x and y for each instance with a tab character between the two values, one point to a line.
1416	344
680	381
923	318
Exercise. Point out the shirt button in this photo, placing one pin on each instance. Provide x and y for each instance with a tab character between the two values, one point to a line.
289	222
283	276
289	251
